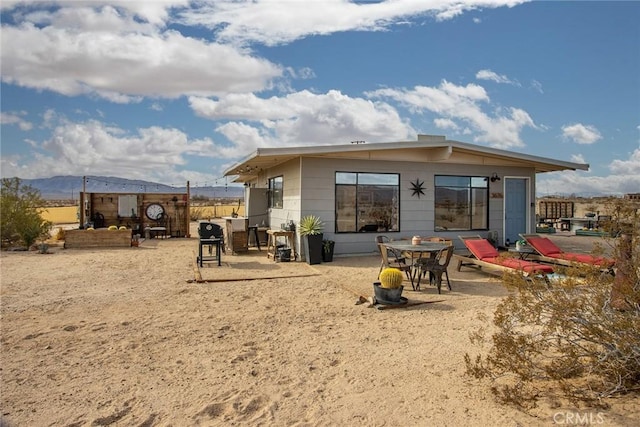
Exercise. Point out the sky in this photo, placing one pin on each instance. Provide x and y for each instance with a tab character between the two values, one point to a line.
171	91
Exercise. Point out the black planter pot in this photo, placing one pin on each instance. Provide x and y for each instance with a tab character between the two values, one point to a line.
313	248
388	296
327	251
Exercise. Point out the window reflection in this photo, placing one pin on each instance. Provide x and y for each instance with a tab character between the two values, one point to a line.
461	203
367	202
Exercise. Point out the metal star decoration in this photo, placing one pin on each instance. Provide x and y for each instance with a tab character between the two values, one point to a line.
417	189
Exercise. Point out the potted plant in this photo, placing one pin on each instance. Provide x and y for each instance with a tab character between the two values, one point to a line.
311	228
389	289
327	250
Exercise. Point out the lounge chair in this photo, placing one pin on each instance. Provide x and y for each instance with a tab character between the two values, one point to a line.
550	252
485	255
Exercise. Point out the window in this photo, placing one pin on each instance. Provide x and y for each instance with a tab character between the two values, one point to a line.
128	205
367	202
275	192
462	203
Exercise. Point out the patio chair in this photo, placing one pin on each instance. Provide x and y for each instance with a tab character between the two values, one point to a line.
98	220
437	266
485	255
160	228
550	252
391	253
393	262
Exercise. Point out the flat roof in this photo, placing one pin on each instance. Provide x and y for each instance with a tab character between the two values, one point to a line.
428	149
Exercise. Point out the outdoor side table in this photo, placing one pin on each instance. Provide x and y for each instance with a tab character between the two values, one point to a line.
272	242
523	253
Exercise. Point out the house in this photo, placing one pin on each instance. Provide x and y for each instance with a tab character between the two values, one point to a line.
429	187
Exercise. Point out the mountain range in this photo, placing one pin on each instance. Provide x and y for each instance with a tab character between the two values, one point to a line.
69	187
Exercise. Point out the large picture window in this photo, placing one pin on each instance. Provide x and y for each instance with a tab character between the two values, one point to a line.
367	202
462	203
275	192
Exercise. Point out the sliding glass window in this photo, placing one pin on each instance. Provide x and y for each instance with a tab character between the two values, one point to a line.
461	203
367	202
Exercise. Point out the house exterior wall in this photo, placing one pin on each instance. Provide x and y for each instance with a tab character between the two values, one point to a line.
309	189
416	213
290	171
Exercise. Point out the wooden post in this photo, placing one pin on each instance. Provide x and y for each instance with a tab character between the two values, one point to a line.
188	212
623	296
83	218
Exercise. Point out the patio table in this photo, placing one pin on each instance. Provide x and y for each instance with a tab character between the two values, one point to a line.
416	253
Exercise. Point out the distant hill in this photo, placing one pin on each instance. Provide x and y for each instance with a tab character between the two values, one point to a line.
69	187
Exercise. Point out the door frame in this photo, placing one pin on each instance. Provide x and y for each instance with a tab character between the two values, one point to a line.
527	204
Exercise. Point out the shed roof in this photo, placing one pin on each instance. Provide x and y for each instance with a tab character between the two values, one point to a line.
428	149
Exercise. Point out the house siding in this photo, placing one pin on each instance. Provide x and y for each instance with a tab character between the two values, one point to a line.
309	189
416	213
291	199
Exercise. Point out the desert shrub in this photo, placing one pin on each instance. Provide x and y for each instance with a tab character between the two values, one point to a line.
577	337
195	213
198	198
60	234
20	221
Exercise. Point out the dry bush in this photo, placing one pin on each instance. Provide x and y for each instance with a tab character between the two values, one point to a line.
60	234
577	337
195	213
20	220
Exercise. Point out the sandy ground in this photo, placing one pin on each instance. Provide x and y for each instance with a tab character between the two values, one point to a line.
126	337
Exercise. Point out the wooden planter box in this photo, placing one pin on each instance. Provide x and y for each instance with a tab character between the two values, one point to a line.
238	242
592	233
545	230
100	238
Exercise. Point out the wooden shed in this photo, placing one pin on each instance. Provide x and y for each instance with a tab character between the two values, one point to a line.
136	211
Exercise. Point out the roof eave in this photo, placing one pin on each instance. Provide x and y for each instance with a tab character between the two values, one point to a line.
245	171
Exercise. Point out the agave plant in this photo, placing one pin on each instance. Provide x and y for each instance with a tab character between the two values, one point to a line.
310	225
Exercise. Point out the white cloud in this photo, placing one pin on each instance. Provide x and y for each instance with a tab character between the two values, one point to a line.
302	118
123	51
537	86
15	119
464	104
581	183
159	154
495	77
276	22
624	178
304	73
93	147
581	134
446	124
629	167
123	66
155	12
578	158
